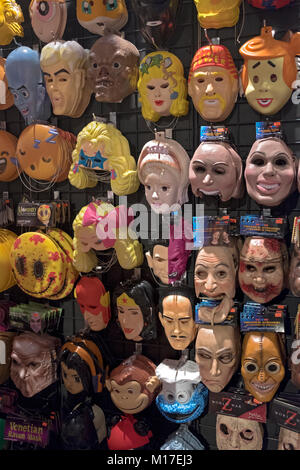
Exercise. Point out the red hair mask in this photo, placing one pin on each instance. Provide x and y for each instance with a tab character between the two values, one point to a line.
94	302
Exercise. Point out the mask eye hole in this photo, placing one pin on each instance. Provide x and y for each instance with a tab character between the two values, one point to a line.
247	435
43	8
251	367
20	265
273	368
38	269
224	429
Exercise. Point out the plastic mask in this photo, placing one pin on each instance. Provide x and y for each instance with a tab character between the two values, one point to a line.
8	145
6	97
294	273
263	268
130	317
48	18
97	16
34	362
113	69
234	433
213	83
25	81
94	302
35	322
6	339
269	70
262	364
162	86
271	172
270	4
288	440
217	14
216	170
217	352
11	17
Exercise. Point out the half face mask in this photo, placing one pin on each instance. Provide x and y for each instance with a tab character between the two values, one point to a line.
34	362
48	18
183	397
217	353
215	278
213	83
97	16
234	433
217	14
263	268
271	172
288	440
262	364
269	70
8	146
162	86
113	68
6	339
11	17
25	82
94	302
216	170
176	313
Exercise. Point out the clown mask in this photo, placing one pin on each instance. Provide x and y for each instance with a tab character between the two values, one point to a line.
213	83
94	302
262	364
271	171
235	433
288	440
217	354
263	268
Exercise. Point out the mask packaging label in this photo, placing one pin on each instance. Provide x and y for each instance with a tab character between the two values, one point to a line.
33	431
214	134
231	319
256	317
268	129
8	400
295	239
212	230
286	413
35	214
252	225
237	404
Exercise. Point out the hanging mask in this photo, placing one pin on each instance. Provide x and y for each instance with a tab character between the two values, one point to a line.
218	14
270	4
294	273
213	82
11	17
37	355
234	433
7	239
163	168
157	20
64	65
48	18
25	81
6	339
6	97
98	16
113	69
217	352
262	364
263	268
183	397
216	170
269	70
176	314
271	171
215	279
8	145
94	302
162	86
288	440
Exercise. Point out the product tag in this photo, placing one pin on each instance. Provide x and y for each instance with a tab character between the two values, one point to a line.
268	129
231	319
274	227
257	317
212	230
286	413
33	431
237	404
214	134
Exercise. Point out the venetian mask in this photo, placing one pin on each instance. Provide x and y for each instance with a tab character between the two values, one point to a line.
183	397
235	433
113	69
217	352
263	268
25	81
262	364
217	14
34	362
288	440
8	146
213	83
6	339
271	172
48	18
94	302
97	16
11	18
216	170
269	70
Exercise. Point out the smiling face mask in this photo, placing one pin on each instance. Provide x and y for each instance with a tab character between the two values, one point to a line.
234	433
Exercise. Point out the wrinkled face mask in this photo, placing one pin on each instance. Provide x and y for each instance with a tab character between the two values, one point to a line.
48	18
288	440
238	434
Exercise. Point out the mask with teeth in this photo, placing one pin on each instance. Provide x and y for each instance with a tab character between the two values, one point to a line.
262	364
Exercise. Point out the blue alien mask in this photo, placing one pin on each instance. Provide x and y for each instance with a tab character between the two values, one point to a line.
183	397
25	81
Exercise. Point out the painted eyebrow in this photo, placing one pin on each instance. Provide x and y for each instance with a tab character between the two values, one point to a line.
61	71
256	65
22	88
181	318
271	63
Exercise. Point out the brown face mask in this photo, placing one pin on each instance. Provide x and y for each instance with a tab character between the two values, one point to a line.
238	434
113	69
6	339
288	440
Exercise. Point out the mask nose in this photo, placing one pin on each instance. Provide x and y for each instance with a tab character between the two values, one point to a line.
210	89
265	86
154	195
208	180
210	283
235	440
269	169
215	371
103	72
261	376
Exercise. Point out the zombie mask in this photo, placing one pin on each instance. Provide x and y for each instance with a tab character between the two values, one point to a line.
163	168
48	18
162	86
215	279
294	273
113	69
262	364
217	352
269	70
8	146
133	385
271	172
6	339
94	302
25	81
98	16
218	13
234	433
34	362
288	440
11	17
263	268
176	313
216	170
213	83
183	397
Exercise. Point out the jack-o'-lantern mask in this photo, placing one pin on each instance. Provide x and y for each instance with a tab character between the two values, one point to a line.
217	13
6	97
8	146
263	268
233	433
113	69
94	302
97	16
48	18
262	364
11	18
288	440
271	171
213	82
269	70
6	339
216	170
